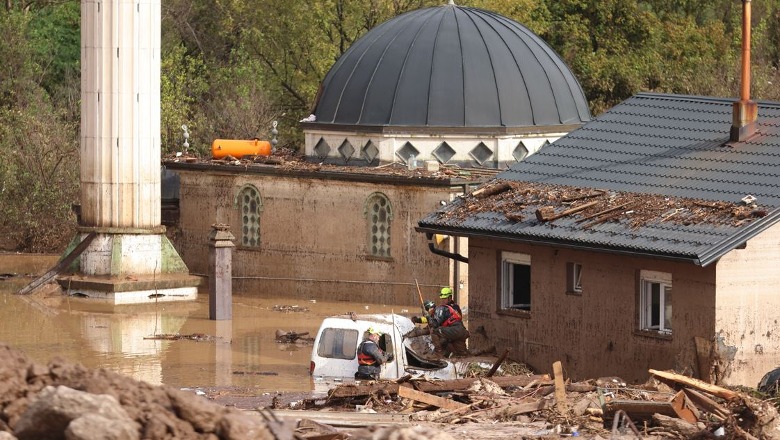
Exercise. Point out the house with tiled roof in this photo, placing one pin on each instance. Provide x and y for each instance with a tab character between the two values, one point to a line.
648	238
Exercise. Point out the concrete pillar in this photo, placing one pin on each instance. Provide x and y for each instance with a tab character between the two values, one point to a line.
130	259
120	113
220	272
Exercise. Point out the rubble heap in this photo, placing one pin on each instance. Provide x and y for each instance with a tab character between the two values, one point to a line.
669	405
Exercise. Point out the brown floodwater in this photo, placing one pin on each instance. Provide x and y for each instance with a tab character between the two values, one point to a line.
241	352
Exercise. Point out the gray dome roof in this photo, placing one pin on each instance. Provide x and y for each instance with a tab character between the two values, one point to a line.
451	66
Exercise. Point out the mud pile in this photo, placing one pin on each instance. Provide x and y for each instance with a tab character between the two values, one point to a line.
68	401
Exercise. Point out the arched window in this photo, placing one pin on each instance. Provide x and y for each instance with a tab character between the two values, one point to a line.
378	213
250	205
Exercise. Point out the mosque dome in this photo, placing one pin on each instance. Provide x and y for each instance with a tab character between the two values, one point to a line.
451	66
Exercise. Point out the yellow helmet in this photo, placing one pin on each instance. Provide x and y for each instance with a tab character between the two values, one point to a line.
445	292
373	331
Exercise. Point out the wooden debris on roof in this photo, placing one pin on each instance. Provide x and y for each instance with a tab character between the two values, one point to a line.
517	201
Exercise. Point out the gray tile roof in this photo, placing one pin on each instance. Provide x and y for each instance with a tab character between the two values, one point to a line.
654	144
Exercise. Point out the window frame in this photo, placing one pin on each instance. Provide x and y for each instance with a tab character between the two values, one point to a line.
647	305
349	340
238	204
508	265
369	202
574	278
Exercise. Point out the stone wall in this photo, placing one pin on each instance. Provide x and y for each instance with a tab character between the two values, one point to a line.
314	237
595	333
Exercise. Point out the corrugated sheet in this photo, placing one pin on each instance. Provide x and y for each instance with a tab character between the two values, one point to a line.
650	144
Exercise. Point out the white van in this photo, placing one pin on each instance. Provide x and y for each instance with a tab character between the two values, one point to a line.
334	355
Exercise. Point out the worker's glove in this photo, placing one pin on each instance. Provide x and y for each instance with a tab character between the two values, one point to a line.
390	357
417	320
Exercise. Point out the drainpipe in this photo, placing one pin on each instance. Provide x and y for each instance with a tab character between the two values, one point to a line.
745	111
432	247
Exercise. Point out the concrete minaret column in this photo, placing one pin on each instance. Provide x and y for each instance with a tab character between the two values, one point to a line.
120	119
128	258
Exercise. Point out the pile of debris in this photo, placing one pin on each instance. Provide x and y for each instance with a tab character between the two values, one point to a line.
289	160
669	405
550	202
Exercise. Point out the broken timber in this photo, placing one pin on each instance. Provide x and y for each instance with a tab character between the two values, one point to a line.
546	214
491	190
430	399
695	383
59	267
435	386
498	363
560	388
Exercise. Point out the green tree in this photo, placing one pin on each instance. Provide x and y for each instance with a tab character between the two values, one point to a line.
39	167
182	87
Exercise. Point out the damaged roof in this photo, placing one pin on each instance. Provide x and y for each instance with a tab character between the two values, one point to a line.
658	173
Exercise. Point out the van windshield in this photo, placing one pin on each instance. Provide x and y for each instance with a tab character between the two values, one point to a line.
338	343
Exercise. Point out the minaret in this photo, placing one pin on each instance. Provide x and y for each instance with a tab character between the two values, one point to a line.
130	259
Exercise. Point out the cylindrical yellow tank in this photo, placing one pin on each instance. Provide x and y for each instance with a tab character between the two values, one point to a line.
239	148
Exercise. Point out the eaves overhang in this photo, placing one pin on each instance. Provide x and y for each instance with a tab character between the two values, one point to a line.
703	259
273	170
439	130
745	234
514	238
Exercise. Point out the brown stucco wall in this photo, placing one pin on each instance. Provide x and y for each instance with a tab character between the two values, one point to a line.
596	333
748	309
314	237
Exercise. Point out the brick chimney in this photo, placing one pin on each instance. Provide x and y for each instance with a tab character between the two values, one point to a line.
745	111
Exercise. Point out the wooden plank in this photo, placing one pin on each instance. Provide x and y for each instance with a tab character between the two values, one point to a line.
59	267
707	404
606	211
560	388
696	383
436	386
684	408
703	358
344	419
498	363
543	215
430	399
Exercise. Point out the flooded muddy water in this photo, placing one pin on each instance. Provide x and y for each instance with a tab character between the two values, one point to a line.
242	352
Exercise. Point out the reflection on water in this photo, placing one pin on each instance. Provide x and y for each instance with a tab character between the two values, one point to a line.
240	353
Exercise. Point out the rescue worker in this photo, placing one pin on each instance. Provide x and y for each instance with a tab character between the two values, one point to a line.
448	333
370	356
429	307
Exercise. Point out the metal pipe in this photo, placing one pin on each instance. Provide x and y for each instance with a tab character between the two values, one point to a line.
432	247
745	93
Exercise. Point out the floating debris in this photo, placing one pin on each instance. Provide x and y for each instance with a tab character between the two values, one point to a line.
288	309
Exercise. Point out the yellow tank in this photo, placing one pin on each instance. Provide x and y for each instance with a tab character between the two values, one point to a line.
239	148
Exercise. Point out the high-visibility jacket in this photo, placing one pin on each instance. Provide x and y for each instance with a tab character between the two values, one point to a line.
453	318
363	357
